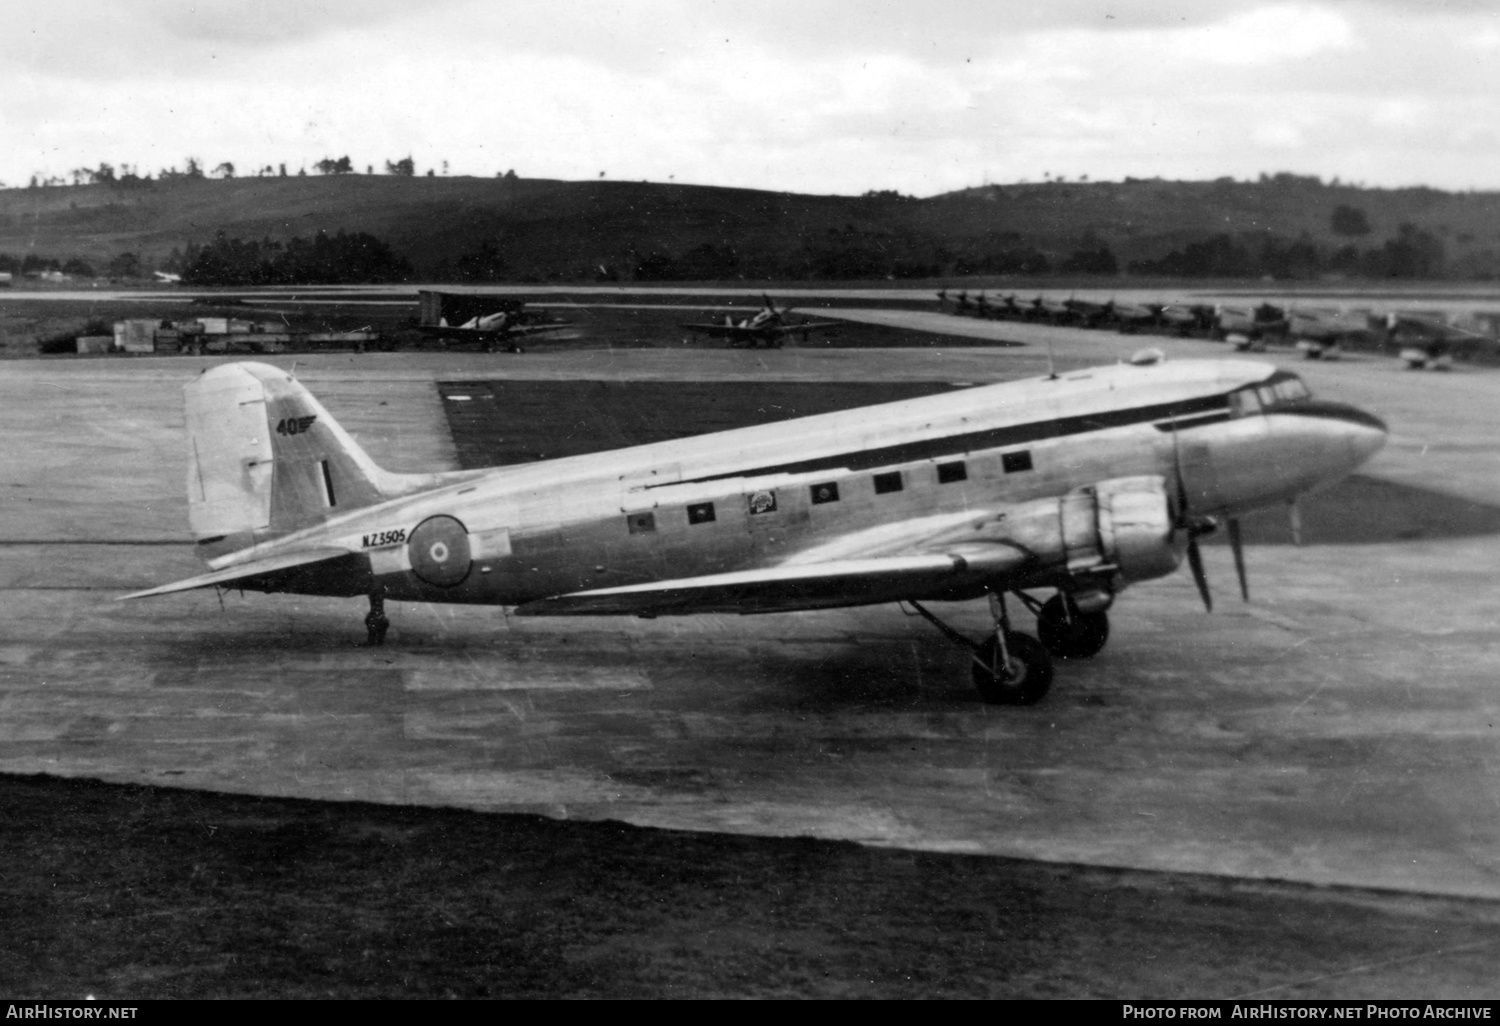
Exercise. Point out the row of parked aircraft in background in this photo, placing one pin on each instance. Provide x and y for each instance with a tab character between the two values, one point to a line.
1422	339
506	323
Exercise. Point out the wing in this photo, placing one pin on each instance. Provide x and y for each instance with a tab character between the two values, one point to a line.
787	588
932	557
721	330
326	571
532	329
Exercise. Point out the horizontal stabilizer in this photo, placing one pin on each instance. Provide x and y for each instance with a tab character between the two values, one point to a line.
786	588
244	571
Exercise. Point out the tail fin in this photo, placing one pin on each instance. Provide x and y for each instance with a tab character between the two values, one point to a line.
266	459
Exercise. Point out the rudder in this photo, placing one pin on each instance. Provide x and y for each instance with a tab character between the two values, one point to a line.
266	459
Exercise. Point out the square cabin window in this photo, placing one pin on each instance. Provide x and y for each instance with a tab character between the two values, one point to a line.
701	513
826	492
1015	462
641	523
887	483
951	472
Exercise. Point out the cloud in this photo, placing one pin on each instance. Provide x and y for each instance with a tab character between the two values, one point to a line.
813	97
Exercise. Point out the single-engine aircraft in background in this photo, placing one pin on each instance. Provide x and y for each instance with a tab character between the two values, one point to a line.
1078	483
1321	334
1429	340
505	327
769	327
1246	327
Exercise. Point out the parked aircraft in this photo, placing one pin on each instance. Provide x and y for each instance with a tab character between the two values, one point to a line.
1246	327
505	327
164	278
769	327
1185	319
1430	341
1081	483
1321	334
1045	308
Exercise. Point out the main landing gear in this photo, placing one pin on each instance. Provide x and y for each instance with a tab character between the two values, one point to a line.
1011	668
376	622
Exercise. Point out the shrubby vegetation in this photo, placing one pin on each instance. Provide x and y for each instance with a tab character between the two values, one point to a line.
342	259
1413	253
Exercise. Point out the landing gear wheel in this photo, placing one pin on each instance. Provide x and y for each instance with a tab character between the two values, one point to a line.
376	622
1023	681
1069	633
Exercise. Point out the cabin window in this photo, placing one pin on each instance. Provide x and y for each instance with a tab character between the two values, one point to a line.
826	492
1015	462
951	472
701	513
887	483
763	502
641	523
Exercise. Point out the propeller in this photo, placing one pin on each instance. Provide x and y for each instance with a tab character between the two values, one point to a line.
1195	526
1236	545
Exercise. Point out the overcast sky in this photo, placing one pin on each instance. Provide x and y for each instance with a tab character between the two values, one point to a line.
801	95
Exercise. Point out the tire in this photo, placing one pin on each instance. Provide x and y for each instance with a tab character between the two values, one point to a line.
1081	636
1032	671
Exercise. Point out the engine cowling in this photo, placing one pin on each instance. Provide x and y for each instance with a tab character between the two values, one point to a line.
1096	539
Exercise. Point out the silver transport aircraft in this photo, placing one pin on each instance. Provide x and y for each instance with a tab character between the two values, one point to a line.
1078	483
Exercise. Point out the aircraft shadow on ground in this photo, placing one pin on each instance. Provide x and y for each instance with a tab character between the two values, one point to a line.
1364	510
502	422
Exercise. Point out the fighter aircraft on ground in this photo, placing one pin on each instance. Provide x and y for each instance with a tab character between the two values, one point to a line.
1045	308
505	327
1428	340
1132	317
1185	319
1321	334
1247	327
1079	483
769	327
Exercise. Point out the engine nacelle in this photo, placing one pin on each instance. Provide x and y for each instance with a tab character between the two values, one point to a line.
1094	540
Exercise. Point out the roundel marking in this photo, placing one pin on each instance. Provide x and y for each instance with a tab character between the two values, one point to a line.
439	551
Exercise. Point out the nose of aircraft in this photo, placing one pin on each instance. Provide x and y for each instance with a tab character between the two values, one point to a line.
1356	434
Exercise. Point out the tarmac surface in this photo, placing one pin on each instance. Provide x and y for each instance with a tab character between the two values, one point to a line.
1341	728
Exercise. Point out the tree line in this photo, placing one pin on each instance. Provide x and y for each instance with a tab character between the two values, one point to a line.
342	259
125	176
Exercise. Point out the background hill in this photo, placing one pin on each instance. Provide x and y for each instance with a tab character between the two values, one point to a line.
519	229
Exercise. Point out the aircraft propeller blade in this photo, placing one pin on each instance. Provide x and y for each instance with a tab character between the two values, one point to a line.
1294	516
1195	561
1237	546
1193	526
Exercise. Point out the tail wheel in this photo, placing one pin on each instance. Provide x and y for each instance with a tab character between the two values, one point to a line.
1022	679
1069	633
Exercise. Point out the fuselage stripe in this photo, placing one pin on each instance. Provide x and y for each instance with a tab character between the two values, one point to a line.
990	438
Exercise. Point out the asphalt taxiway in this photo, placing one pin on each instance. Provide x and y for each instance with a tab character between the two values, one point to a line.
1341	728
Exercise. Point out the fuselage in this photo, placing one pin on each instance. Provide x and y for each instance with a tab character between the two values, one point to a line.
1237	434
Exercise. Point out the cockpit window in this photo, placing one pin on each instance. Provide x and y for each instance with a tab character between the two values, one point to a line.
1244	403
1281	388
